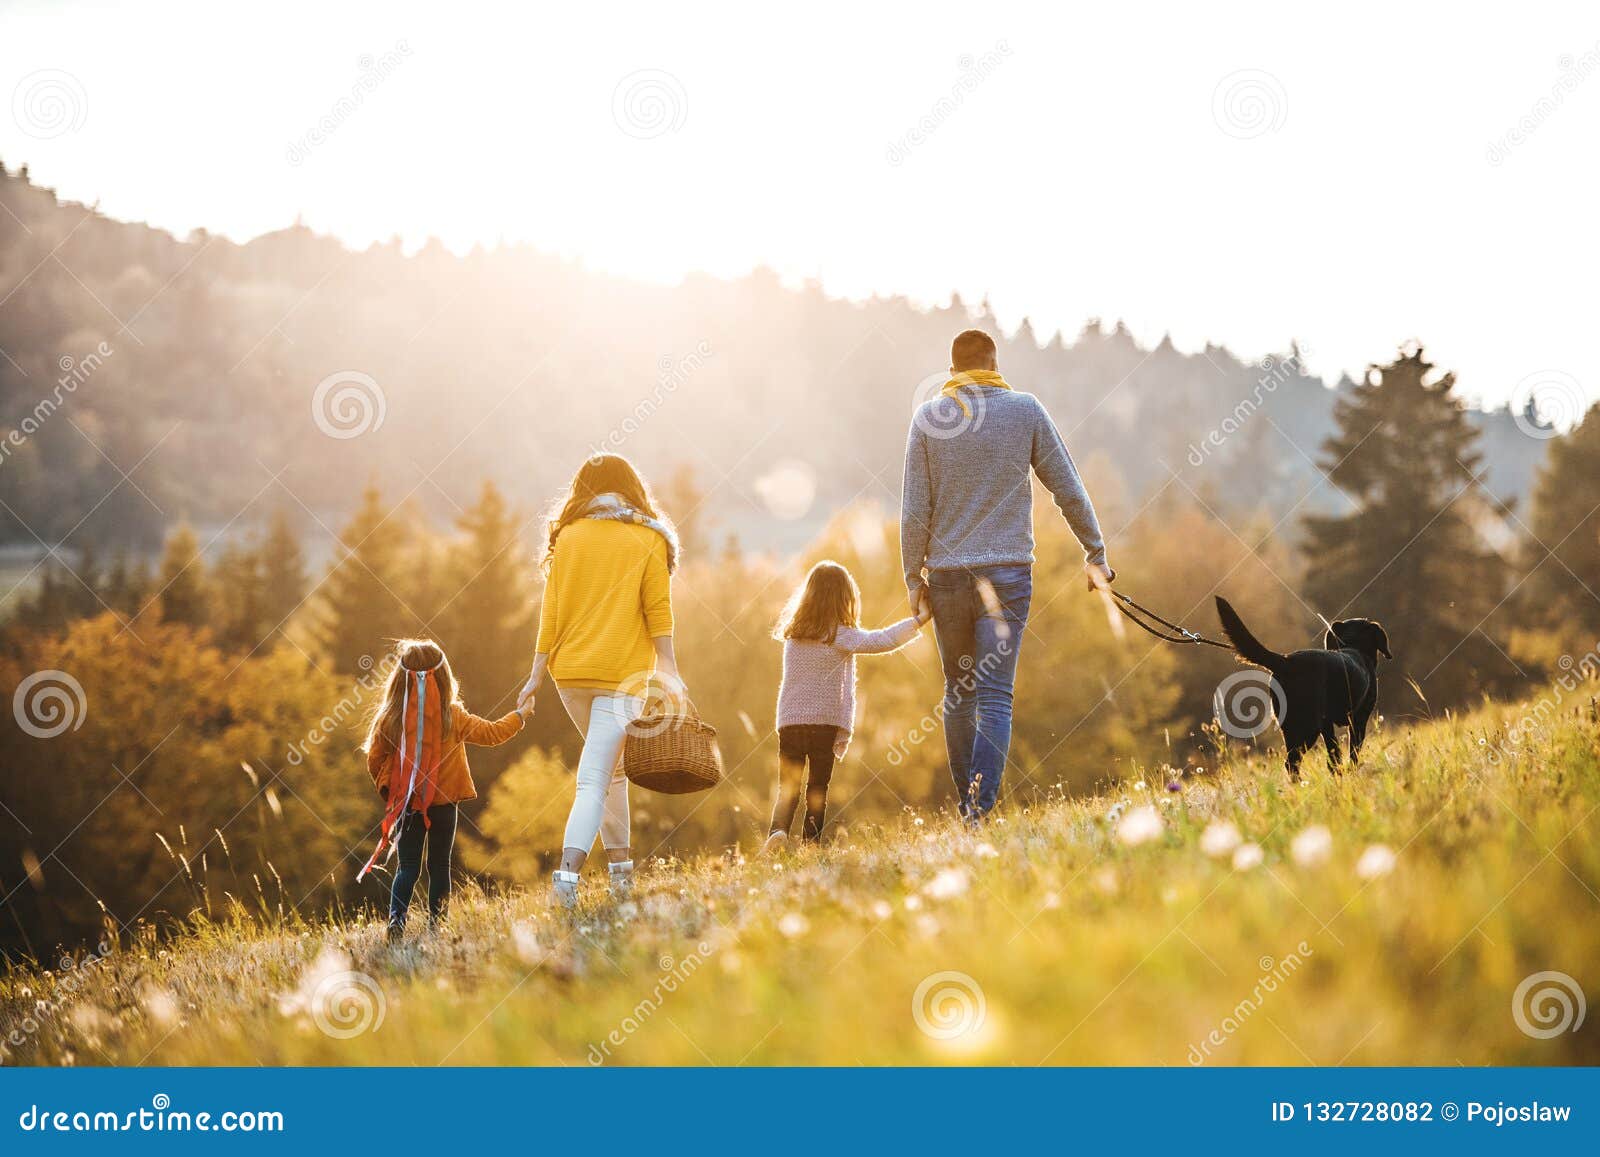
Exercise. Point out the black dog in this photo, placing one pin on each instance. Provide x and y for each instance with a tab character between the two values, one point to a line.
1321	690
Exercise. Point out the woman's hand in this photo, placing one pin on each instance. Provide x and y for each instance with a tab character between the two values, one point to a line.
531	687
666	676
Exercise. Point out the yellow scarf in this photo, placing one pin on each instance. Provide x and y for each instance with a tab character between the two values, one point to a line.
952	388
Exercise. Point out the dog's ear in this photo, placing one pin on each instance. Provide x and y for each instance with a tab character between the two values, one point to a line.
1383	641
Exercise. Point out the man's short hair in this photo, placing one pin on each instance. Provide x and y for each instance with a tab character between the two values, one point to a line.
971	350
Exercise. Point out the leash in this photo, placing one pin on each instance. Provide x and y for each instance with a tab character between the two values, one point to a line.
1132	610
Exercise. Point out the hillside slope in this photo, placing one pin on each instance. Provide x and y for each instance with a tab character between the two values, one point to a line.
1389	916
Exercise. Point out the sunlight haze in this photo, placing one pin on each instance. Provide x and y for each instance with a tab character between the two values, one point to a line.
1069	162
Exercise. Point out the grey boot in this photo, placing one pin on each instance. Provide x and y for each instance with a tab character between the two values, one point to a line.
622	880
565	885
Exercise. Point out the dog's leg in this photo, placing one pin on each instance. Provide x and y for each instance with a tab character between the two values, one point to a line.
1358	729
1330	740
1297	750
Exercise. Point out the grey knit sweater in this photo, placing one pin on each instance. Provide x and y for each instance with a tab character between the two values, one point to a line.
819	679
966	499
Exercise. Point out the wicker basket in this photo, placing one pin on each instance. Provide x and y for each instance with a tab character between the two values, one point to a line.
672	752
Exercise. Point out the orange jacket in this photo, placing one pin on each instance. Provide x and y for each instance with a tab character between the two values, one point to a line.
455	777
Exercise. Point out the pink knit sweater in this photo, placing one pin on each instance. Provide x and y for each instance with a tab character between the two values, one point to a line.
819	679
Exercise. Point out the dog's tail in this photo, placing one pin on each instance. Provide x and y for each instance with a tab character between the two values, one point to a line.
1247	645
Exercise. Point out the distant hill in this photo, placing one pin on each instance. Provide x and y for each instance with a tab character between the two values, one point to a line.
512	364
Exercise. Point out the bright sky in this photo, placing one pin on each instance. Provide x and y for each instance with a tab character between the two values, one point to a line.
1244	173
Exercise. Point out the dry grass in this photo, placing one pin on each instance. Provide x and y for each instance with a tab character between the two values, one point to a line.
1086	948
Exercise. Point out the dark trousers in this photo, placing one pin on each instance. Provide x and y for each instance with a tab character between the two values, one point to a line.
440	837
805	750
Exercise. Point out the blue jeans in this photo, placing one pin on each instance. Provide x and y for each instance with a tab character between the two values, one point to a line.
978	619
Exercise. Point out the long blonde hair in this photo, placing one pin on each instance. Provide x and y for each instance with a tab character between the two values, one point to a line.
384	723
828	600
601	474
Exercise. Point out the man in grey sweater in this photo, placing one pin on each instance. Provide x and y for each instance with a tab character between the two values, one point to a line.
966	544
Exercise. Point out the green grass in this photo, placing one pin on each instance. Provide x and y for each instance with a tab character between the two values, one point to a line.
1086	950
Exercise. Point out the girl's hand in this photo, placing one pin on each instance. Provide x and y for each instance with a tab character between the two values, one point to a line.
840	746
925	614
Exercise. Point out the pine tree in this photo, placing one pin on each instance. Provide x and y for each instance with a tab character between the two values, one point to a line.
487	622
239	585
362	600
184	589
283	573
1408	555
1563	586
683	500
124	588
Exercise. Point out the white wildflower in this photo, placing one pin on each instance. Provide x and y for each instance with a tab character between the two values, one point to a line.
1376	861
1140	826
948	884
1312	847
1219	838
793	925
160	1006
1247	856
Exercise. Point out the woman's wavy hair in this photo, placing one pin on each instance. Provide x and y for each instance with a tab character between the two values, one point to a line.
384	721
829	600
601	474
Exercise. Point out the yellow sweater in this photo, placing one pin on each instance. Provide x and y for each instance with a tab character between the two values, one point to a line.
607	597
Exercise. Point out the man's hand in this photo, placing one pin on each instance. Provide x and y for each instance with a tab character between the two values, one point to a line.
921	605
1099	576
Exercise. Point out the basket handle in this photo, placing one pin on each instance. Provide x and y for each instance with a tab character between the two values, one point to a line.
660	690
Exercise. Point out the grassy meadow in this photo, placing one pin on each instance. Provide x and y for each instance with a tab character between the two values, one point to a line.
1388	915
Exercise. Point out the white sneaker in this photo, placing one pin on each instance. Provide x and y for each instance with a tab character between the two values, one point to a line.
565	886
776	842
621	880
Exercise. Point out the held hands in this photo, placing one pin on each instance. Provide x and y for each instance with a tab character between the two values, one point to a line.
840	746
525	697
1099	576
921	606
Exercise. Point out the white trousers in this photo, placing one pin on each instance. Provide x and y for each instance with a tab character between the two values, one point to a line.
600	805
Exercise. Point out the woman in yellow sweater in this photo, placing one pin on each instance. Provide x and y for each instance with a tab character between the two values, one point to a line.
605	631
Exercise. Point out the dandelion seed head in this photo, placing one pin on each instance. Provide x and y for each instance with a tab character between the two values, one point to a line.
1220	838
1376	861
1312	846
1140	826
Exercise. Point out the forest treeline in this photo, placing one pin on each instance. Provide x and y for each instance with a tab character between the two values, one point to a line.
185	724
507	363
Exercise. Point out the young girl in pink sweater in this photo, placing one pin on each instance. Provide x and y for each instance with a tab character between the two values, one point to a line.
822	636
